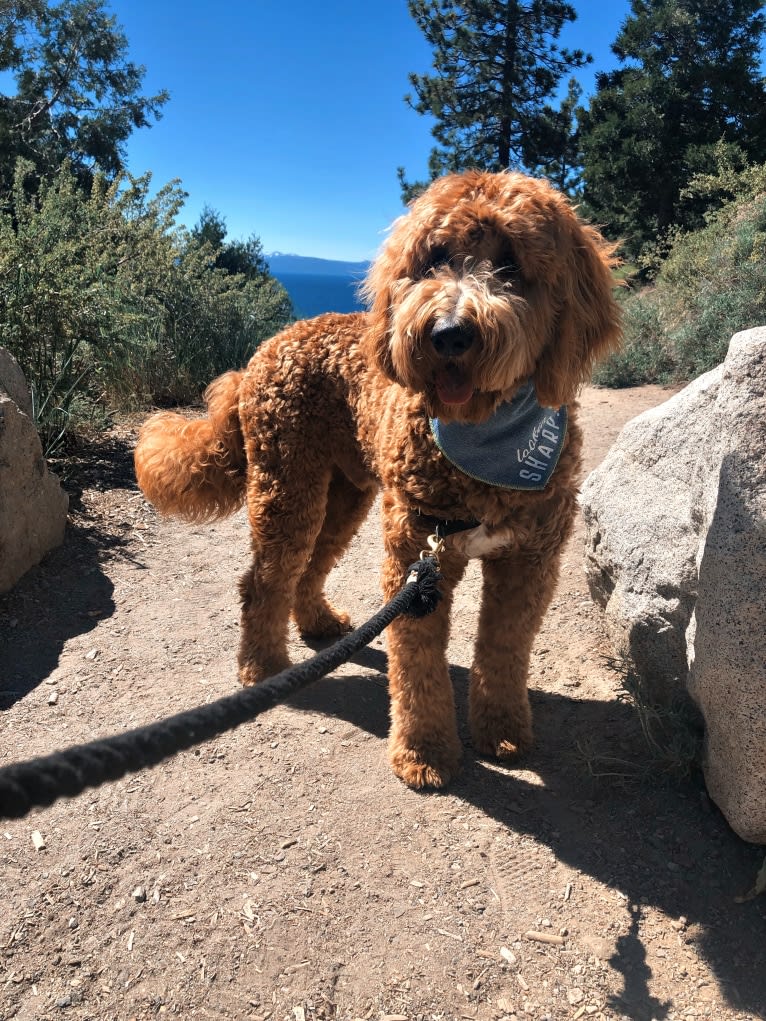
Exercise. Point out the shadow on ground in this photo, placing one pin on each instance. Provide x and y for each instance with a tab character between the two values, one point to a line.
658	842
69	592
66	596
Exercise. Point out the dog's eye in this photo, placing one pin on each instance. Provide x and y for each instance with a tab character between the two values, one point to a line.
437	256
508	268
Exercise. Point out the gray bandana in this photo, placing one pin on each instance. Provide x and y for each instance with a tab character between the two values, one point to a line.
517	448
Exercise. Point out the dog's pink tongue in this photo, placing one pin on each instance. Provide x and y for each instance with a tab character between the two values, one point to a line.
452	385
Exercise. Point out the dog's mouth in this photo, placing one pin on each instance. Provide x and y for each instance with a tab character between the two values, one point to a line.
453	384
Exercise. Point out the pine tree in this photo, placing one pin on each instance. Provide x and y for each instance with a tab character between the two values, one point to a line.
77	97
691	80
244	258
497	67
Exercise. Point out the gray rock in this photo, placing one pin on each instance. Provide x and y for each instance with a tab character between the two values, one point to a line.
676	554
33	506
727	632
12	382
642	515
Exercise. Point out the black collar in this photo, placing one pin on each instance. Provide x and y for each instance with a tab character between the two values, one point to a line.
442	527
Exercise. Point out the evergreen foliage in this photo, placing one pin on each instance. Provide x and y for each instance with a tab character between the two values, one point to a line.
710	285
497	68
77	95
690	80
105	302
234	256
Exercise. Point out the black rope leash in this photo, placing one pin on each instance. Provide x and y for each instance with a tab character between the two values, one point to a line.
39	782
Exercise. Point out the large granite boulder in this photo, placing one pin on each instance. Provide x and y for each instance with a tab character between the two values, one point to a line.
642	514
13	384
33	506
726	639
676	554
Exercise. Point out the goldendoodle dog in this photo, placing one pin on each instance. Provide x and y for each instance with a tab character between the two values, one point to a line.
453	395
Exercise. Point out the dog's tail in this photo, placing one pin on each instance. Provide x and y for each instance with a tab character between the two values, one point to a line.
195	469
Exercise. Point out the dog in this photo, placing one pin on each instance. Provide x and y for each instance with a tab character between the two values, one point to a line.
454	395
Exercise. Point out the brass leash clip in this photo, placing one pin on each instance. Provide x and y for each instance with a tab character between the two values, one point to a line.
435	547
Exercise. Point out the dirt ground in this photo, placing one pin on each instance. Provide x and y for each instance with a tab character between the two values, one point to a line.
282	871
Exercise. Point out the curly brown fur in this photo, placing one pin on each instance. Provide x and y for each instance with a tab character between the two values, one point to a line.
333	409
195	469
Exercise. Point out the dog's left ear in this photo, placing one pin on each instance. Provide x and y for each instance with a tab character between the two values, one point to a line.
588	322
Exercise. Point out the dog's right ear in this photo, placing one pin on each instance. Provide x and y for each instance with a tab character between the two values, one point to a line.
378	294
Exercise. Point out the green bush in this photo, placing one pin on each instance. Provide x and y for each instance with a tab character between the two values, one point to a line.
106	303
710	284
715	285
644	358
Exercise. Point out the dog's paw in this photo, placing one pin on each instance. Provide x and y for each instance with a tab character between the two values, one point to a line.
251	674
419	770
322	621
501	735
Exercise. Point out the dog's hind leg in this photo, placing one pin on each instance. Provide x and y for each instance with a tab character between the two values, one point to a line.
286	513
347	507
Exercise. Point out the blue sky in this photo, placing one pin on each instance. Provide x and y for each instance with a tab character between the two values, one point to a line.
287	116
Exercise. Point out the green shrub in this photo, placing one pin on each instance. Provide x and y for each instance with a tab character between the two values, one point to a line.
710	284
105	302
715	284
644	357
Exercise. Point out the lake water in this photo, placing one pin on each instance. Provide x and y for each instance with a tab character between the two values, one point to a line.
312	294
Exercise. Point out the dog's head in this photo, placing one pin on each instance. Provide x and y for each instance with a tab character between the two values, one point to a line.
488	280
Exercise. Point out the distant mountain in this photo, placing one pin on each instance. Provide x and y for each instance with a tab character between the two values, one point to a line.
318	285
280	262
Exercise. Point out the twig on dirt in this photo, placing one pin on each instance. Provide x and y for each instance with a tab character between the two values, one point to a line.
545	937
135	978
292	968
241	808
184	916
480	976
311	911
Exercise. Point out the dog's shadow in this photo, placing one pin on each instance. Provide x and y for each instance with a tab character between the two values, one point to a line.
603	810
360	699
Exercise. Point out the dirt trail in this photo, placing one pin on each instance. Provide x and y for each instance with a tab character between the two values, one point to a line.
281	871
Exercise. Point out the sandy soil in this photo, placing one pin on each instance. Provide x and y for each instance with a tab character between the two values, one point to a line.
281	871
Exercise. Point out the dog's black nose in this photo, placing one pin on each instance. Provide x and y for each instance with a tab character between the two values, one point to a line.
451	339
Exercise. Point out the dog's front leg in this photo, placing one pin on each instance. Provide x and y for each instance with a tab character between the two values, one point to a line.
516	593
424	747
